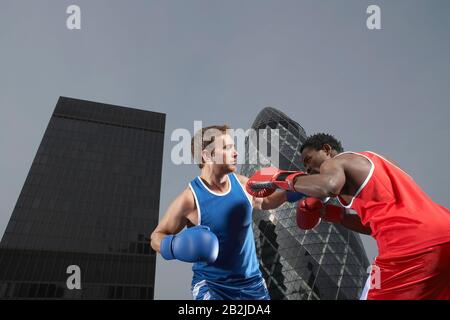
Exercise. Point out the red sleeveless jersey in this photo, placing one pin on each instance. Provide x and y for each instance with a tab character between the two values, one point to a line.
403	218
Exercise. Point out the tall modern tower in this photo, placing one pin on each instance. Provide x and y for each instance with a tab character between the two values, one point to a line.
91	198
328	262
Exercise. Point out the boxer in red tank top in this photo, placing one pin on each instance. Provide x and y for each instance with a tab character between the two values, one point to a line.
411	230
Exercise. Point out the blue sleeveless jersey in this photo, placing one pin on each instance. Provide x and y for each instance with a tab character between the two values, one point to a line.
229	216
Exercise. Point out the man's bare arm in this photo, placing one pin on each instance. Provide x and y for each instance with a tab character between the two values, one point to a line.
328	183
271	202
175	218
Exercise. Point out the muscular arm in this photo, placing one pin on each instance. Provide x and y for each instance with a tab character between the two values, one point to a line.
175	218
328	183
271	202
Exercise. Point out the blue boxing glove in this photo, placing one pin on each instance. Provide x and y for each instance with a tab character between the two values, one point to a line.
292	196
196	244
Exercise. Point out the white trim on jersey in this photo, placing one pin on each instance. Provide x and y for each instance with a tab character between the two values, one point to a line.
215	193
207	296
361	187
197	287
245	191
366	289
199	212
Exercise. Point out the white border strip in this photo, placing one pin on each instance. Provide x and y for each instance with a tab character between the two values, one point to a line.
365	290
197	287
245	191
198	205
365	181
215	193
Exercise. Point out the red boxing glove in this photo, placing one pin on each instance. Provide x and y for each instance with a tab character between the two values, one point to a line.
265	181
306	218
310	211
333	214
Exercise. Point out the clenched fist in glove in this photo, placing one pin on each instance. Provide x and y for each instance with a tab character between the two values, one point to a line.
310	211
265	181
196	244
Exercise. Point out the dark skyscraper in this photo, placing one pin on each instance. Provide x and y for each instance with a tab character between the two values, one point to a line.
327	262
90	200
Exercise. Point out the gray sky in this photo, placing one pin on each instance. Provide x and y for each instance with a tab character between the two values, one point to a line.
222	62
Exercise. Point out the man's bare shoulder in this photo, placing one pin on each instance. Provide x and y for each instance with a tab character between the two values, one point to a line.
346	157
382	156
352	157
186	199
344	161
242	179
338	160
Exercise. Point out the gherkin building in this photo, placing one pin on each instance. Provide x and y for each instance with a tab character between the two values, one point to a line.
326	263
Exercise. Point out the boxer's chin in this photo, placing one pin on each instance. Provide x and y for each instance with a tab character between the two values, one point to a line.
230	168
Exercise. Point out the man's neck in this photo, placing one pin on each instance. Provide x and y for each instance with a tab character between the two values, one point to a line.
217	181
334	153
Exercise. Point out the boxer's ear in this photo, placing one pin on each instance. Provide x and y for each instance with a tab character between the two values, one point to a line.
207	157
327	148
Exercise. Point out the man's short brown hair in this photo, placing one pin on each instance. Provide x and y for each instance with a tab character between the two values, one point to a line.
199	142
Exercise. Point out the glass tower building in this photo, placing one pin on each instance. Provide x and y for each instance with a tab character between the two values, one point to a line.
327	262
90	200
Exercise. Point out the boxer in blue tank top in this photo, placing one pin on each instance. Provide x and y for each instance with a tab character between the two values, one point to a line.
220	240
235	273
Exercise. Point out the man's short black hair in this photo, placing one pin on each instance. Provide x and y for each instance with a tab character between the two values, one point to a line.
316	141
